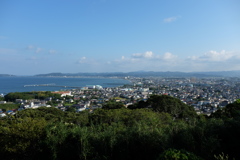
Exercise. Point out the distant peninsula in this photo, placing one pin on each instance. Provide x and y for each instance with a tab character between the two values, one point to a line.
146	74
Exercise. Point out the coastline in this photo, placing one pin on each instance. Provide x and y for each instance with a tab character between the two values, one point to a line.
35	83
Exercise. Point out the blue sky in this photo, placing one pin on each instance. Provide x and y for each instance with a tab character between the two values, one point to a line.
71	36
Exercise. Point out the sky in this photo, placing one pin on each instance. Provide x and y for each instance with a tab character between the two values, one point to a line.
73	36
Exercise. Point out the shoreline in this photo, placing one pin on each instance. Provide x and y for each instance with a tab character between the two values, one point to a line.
33	83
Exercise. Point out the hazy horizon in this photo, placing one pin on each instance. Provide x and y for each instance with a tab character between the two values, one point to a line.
213	73
40	37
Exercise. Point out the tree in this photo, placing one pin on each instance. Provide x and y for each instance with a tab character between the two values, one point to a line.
230	111
174	154
113	105
71	109
2	98
6	107
142	104
171	105
18	95
20	139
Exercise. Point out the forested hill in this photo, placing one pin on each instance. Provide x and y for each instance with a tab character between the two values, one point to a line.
157	129
149	74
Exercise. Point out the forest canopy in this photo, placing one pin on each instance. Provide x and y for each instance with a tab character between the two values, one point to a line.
30	95
163	132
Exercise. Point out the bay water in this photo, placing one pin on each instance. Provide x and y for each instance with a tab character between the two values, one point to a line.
32	83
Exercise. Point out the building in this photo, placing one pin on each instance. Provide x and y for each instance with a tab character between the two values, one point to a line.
63	93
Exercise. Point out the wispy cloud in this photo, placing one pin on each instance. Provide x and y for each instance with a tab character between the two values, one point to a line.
38	50
209	61
52	51
147	54
34	48
215	56
169	56
82	60
30	47
212	60
171	19
144	61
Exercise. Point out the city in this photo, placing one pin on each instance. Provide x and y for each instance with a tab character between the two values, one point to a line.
206	95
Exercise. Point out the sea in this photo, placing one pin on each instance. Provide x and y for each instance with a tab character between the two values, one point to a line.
34	83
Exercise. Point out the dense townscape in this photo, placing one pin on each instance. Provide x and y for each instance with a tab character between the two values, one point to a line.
206	95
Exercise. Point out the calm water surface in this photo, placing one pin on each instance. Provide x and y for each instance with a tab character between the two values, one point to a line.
26	84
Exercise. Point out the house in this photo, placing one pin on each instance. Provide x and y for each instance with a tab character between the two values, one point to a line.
2	114
20	109
69	100
10	112
63	93
96	106
19	100
34	105
79	107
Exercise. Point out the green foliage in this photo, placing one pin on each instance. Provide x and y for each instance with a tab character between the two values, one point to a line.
201	139
238	101
18	95
141	104
71	109
6	107
80	118
221	157
68	104
129	117
174	154
230	111
53	103
49	133
20	139
50	113
228	134
171	105
2	98
31	95
113	105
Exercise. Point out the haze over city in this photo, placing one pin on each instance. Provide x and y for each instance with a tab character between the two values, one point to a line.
71	36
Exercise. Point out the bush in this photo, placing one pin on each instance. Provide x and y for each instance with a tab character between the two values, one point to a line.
174	154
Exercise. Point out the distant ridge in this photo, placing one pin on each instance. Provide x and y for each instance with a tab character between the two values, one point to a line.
223	73
146	74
